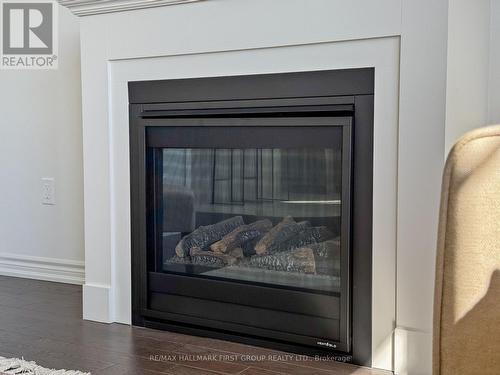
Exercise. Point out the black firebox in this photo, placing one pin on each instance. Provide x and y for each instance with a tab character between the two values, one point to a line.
251	201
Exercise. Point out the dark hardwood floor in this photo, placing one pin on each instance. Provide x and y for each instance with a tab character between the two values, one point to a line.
42	322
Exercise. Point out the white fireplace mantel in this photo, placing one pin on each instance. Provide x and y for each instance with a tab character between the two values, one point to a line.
92	7
217	38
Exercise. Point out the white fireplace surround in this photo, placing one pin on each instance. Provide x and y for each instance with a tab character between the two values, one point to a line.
239	37
380	53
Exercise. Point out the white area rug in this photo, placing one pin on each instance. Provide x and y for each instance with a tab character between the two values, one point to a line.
22	367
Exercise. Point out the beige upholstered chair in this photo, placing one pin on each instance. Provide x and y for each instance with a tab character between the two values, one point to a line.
467	296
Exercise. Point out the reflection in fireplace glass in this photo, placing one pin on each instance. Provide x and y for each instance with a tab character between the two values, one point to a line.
268	216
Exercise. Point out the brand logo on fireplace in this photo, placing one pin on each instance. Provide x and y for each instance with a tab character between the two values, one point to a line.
29	38
326	343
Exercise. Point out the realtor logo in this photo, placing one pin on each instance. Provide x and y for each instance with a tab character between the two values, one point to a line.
29	34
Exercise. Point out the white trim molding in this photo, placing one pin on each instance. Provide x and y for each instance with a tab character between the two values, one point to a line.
91	7
48	269
97	304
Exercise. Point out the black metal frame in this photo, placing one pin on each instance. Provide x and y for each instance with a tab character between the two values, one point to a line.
182	113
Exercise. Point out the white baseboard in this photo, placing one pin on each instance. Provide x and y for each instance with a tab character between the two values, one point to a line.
48	269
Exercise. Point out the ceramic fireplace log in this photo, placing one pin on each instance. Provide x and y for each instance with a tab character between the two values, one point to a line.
204	236
282	232
307	236
298	260
327	257
320	258
327	250
262	246
241	235
248	248
237	253
209	258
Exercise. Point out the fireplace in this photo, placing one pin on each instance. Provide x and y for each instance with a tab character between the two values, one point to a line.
251	201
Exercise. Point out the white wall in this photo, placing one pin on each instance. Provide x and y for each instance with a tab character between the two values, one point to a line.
473	79
494	74
468	67
41	136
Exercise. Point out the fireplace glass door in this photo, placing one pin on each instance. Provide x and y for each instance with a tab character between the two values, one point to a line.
260	215
236	204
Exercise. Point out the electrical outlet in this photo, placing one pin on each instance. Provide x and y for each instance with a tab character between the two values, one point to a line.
48	191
